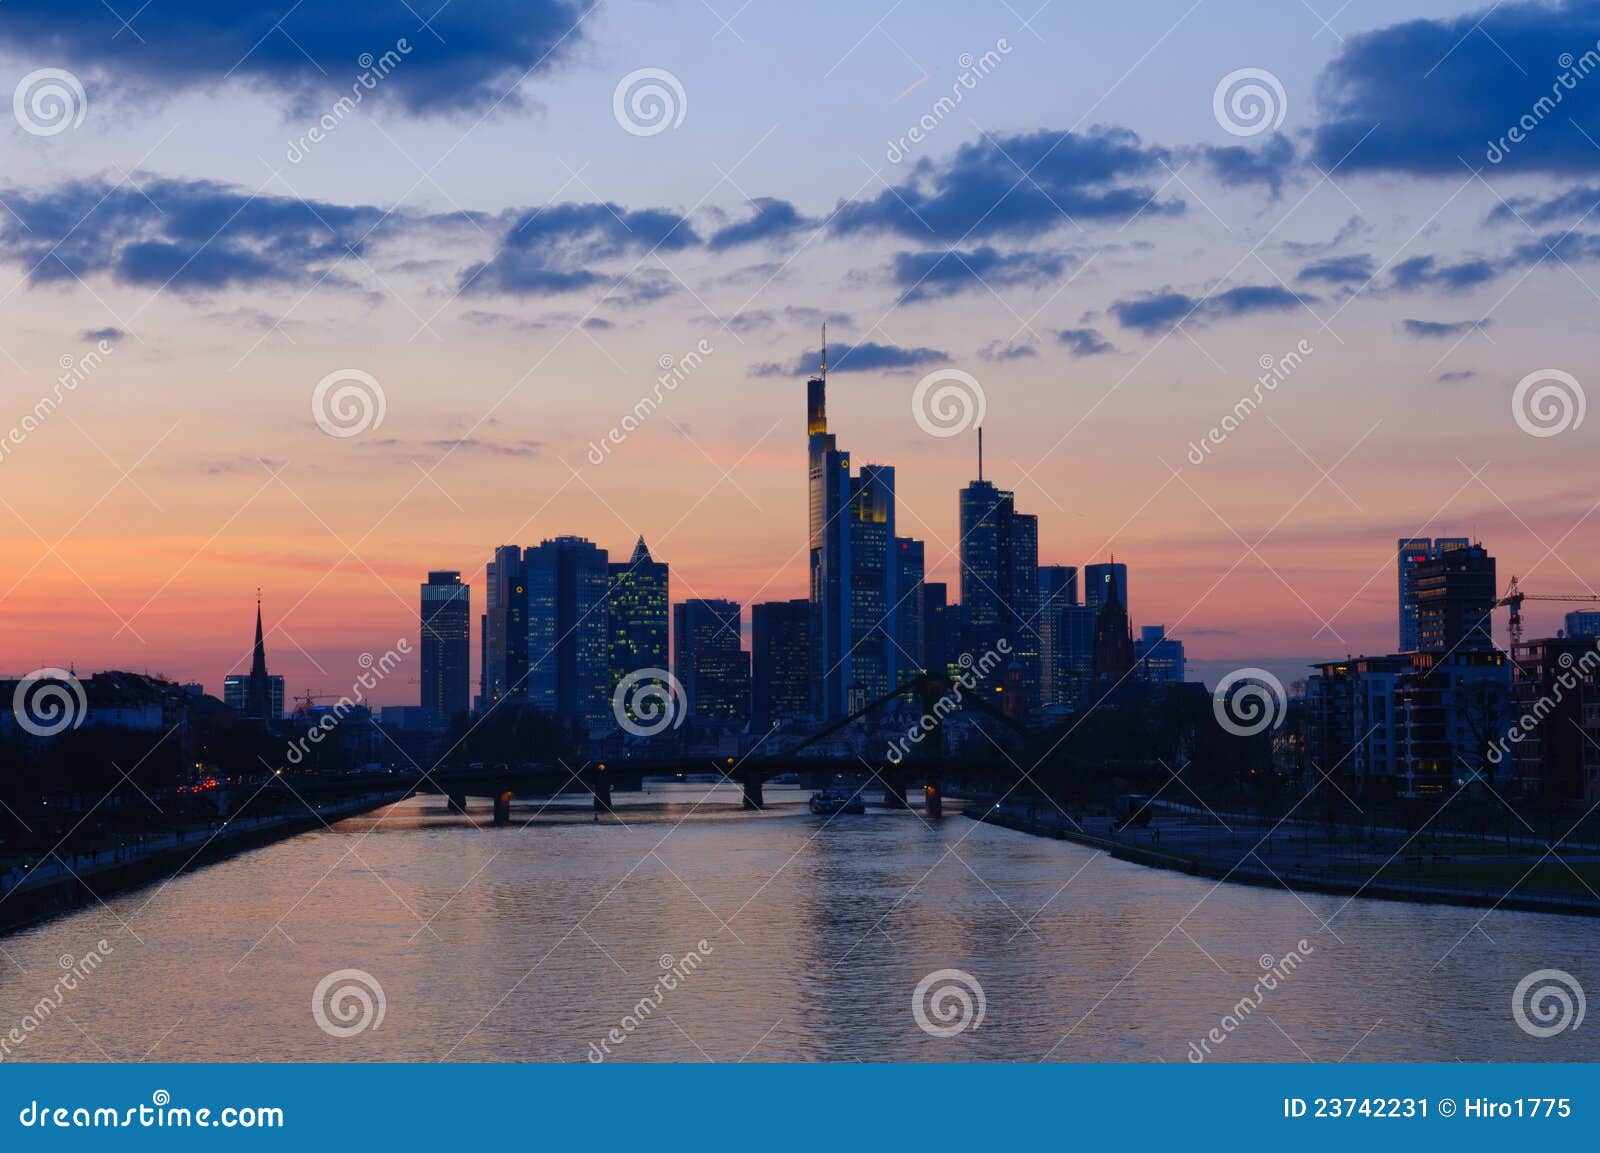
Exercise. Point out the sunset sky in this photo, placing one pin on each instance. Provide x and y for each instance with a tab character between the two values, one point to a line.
492	239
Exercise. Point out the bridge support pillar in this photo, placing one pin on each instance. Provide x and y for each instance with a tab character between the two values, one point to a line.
502	808
933	799
753	798
458	802
601	788
894	793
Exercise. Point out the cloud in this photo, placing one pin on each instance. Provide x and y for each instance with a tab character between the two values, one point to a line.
998	351
1438	329
1425	272
191	235
549	251
1569	207
773	220
485	446
759	319
1355	268
97	335
467	57
1571	247
1453	377
1017	186
1085	341
1442	97
864	357
930	275
1237	166
1157	311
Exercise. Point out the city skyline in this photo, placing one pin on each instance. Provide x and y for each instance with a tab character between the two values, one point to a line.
150	516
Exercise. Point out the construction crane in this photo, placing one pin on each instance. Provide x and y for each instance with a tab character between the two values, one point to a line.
1515	596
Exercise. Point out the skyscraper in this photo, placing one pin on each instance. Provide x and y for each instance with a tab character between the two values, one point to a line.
1411	552
637	604
446	648
1159	656
829	488
874	611
1000	576
568	637
1105	582
709	660
910	598
936	614
1058	589
779	685
1455	595
505	627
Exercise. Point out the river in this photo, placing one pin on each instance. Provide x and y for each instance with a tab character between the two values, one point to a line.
535	942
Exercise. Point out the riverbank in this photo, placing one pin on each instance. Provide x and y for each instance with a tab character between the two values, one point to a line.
1452	871
56	886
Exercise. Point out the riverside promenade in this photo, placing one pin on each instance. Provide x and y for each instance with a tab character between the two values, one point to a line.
1443	868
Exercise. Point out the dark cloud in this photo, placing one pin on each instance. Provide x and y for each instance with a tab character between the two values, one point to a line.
1439	329
96	335
1426	272
864	357
929	275
1084	341
549	251
191	235
1157	311
1453	377
1237	166
1018	186
470	56
998	351
772	220
1567	208
1571	247
1355	268
1440	97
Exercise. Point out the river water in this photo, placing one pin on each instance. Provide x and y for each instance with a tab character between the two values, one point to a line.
535	942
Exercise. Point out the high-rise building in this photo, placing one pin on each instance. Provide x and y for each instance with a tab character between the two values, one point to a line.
637	603
1410	552
1159	657
709	660
568	633
505	627
910	596
1583	624
936	616
1105	582
446	648
1058	589
236	691
874	612
1455	595
1000	576
1558	759
779	644
1077	641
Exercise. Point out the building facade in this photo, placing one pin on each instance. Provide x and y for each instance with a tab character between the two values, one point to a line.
446	645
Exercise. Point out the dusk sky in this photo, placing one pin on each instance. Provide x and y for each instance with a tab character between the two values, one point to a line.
509	251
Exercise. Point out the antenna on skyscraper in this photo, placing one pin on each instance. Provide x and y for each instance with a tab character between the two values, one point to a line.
980	452
824	376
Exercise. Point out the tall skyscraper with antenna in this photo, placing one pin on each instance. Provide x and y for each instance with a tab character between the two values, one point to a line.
1000	575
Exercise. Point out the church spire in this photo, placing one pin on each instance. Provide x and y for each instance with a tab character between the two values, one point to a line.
258	692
